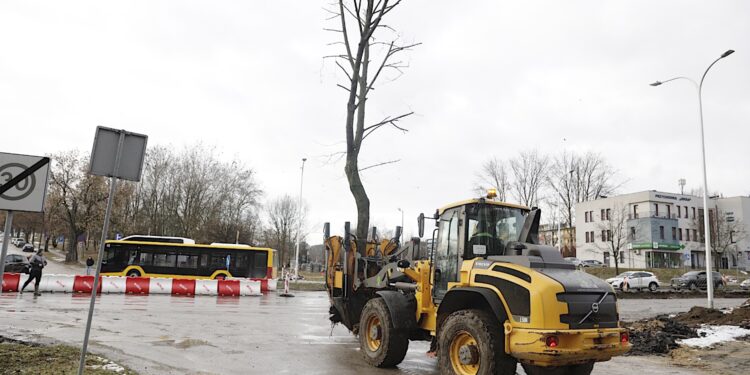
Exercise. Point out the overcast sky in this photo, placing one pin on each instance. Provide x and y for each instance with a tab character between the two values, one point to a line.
491	78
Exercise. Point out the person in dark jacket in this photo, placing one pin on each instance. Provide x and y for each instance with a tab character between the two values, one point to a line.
37	263
89	264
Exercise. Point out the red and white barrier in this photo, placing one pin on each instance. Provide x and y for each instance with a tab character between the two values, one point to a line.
206	287
250	287
113	284
56	283
141	285
137	285
160	285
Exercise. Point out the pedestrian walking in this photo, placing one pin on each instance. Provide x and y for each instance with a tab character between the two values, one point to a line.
37	263
89	264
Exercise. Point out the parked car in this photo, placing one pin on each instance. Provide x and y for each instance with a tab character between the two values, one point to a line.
637	280
694	280
592	263
576	262
745	284
17	263
28	248
18	242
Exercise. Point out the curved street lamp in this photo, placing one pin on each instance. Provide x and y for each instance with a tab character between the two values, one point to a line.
707	232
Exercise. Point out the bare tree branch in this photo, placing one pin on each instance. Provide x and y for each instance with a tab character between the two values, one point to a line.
379	164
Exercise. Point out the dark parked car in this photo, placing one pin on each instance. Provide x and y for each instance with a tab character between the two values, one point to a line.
16	263
28	248
697	280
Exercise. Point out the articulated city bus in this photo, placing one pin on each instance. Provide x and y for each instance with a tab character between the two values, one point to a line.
176	257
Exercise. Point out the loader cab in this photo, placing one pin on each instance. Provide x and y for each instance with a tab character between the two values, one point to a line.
471	229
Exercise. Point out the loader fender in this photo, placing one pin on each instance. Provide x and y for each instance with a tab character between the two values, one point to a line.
471	298
402	309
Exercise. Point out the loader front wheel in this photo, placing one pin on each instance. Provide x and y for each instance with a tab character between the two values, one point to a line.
381	344
472	342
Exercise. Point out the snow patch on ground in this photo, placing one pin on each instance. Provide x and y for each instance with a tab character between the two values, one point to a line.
108	366
712	335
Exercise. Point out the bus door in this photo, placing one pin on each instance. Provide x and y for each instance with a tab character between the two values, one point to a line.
260	265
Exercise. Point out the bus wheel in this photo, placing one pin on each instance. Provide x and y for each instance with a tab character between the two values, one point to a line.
472	342
134	273
582	369
381	344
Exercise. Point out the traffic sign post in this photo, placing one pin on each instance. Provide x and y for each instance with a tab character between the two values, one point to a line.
24	188
116	154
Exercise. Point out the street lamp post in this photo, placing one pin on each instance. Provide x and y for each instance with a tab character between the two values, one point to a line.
402	225
706	228
299	223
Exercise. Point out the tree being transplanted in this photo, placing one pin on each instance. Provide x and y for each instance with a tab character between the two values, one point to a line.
359	22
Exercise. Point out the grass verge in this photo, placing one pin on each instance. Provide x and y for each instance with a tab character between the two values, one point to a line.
18	357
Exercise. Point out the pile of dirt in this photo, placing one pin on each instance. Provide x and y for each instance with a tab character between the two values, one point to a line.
739	316
660	335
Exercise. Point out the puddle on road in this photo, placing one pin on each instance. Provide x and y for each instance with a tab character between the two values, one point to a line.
184	344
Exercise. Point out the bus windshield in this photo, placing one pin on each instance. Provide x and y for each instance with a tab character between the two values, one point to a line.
490	227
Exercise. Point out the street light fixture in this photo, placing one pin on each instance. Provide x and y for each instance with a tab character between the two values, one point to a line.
706	230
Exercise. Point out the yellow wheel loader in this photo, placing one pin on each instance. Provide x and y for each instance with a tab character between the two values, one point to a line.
485	293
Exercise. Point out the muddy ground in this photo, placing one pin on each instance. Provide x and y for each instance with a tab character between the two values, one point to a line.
660	336
23	357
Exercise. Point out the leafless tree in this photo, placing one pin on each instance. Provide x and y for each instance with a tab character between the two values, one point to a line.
593	177
614	232
281	233
529	176
575	178
79	195
368	53
493	174
726	232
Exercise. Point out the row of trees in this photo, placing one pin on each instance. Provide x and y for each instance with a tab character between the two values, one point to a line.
556	181
191	193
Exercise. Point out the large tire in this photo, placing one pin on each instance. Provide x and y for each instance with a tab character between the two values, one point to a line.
582	369
472	342
653	287
380	343
693	286
134	273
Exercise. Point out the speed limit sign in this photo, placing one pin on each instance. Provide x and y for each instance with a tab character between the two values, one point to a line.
26	193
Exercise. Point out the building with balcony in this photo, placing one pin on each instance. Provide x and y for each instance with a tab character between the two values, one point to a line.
563	238
664	230
648	229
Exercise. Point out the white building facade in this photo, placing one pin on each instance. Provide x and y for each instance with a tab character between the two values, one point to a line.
660	230
734	213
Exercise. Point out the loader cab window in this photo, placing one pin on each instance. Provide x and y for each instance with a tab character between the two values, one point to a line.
447	253
490	228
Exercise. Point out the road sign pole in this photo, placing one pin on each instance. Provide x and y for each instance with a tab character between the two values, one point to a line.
6	237
105	229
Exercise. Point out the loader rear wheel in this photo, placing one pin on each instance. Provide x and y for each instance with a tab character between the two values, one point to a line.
381	344
472	342
582	369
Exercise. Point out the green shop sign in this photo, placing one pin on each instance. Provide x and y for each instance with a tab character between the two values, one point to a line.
655	245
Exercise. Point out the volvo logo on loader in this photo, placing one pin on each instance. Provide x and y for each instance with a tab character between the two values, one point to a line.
595	307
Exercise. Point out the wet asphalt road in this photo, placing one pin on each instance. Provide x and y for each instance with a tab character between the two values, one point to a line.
250	335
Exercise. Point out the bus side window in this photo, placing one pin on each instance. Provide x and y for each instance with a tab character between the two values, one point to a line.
146	259
187	261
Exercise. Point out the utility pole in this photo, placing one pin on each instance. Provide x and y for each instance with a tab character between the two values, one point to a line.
299	223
